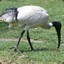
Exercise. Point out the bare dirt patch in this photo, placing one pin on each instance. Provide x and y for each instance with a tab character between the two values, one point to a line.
24	40
2	61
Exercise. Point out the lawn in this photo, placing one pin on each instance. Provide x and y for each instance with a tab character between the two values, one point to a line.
46	51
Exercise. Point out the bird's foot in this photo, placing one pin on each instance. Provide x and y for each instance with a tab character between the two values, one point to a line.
15	48
32	49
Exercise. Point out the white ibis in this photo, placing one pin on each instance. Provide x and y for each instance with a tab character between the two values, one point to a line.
30	17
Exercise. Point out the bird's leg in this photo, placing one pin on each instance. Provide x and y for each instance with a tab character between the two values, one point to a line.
28	38
16	46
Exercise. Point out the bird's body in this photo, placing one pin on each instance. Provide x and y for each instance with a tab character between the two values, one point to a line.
30	17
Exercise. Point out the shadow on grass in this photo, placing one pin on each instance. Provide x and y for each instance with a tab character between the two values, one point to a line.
43	49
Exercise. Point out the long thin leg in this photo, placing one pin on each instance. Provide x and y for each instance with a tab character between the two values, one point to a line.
20	38
28	38
16	46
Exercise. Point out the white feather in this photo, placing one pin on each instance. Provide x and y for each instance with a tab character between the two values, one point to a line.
29	17
32	16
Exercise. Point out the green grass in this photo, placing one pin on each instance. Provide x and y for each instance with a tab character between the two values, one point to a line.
45	52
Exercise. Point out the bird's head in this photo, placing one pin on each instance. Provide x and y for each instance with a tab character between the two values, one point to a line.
58	26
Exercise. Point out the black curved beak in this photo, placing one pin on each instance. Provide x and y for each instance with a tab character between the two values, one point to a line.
58	26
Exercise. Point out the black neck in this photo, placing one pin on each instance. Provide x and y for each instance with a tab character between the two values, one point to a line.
57	26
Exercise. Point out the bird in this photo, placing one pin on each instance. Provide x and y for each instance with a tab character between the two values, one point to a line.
29	17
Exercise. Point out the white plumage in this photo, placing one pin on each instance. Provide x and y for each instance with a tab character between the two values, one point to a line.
30	17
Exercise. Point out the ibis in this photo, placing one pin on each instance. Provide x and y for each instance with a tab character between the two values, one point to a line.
28	17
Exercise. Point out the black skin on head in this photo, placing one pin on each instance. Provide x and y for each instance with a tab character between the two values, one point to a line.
58	26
